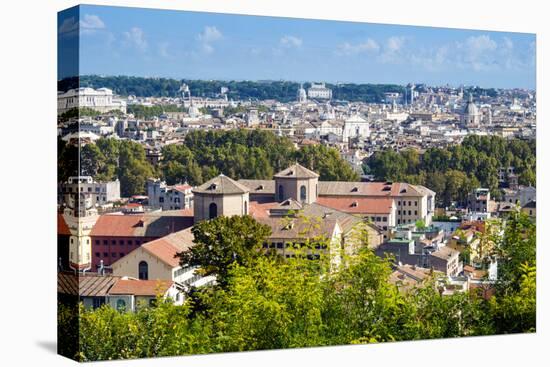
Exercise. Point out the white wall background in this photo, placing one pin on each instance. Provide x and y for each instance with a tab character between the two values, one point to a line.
28	156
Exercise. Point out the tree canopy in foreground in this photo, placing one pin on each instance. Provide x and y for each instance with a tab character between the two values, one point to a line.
268	302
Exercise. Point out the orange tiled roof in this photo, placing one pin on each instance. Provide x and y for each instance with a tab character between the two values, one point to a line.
359	205
144	225
62	227
167	247
261	209
478	226
141	287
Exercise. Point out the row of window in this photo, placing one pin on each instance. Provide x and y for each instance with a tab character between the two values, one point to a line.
120	242
113	254
405	203
405	221
379	219
405	212
281	245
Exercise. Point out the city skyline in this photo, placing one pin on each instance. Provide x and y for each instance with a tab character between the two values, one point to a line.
210	46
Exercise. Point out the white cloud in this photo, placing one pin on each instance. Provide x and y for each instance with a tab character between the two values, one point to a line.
369	45
290	41
136	38
394	44
69	26
393	50
210	34
91	21
89	24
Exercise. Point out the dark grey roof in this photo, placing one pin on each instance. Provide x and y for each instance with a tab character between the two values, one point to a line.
259	186
221	185
296	171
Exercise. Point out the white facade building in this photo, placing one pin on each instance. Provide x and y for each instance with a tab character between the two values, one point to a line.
319	91
169	197
355	127
101	100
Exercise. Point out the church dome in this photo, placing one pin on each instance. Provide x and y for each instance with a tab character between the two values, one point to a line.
471	108
301	95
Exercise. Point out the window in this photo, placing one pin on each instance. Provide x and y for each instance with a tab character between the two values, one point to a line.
245	207
384	219
398	203
113	254
105	254
121	254
378	219
416	203
121	305
97	254
98	301
105	242
113	242
399	221
279	245
409	212
212	211
416	212
129	242
281	193
97	242
121	242
143	270
399	212
409	203
303	193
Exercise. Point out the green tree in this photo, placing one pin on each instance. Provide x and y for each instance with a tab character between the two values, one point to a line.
223	241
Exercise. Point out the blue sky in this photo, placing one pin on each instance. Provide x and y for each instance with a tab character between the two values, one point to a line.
161	43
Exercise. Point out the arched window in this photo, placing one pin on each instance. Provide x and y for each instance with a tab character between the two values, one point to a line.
121	305
281	193
245	207
143	270
212	211
303	193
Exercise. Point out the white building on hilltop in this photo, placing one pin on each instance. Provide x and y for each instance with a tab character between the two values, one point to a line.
101	100
319	91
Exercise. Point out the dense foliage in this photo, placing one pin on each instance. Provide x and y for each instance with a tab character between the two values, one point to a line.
111	159
250	154
239	154
269	302
283	91
453	172
224	241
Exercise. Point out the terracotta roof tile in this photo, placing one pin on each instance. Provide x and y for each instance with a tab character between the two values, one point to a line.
144	225
62	227
166	248
88	285
359	205
138	287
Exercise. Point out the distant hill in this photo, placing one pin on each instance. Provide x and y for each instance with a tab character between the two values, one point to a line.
283	91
